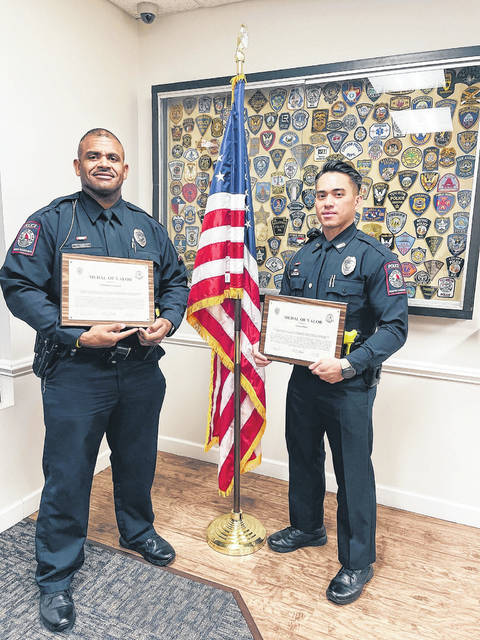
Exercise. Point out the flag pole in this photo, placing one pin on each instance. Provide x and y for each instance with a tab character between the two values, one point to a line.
236	533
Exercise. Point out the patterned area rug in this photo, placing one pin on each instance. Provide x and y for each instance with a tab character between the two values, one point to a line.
118	597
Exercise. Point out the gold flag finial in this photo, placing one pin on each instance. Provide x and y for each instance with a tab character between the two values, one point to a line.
242	44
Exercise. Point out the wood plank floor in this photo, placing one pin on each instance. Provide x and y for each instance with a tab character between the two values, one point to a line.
427	576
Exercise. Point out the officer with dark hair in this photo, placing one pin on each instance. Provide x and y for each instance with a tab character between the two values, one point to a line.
335	395
98	380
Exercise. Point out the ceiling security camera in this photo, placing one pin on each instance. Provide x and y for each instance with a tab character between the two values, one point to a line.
147	11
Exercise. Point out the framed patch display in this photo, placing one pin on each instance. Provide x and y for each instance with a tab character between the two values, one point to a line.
409	124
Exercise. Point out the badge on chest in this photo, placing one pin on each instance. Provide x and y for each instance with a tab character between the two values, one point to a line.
348	265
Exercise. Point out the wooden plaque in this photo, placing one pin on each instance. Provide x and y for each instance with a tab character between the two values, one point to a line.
102	290
295	329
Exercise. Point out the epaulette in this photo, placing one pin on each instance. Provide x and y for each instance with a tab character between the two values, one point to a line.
54	203
373	242
134	207
313	234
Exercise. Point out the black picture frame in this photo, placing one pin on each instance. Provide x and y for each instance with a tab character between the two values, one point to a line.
338	72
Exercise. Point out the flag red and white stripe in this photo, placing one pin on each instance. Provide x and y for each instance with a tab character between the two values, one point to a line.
226	269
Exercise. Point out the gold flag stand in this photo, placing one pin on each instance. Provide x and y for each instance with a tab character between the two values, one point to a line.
236	533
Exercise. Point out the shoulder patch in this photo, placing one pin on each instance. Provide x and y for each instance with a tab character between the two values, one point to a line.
394	278
26	240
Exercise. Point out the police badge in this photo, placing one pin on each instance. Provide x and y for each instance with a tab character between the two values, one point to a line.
348	265
397	198
404	242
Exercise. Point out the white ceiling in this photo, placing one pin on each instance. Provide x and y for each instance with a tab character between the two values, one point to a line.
171	6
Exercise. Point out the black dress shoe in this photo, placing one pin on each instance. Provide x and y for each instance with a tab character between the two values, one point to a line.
57	611
348	584
291	539
156	550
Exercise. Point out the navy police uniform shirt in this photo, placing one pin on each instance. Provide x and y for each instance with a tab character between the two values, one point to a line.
356	269
31	275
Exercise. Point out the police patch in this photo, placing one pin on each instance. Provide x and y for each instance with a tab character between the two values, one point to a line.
460	222
255	123
464	198
26	240
455	266
312	96
257	101
457	243
380	190
433	243
397	198
465	166
441	224
331	91
446	288
429	180
270	119
365	187
394	278
284	120
288	139
260	164
277	98
279	226
404	242
300	119
468	117
443	202
422	225
448	182
411	157
363	111
301	153
392	147
290	167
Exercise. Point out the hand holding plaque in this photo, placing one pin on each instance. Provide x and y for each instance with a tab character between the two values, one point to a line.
301	330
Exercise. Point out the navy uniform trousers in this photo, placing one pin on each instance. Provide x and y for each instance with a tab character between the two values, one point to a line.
84	398
344	412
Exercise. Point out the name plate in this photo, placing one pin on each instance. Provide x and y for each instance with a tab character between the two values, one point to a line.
301	330
102	290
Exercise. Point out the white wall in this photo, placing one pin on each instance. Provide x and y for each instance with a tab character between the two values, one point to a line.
73	65
67	66
427	436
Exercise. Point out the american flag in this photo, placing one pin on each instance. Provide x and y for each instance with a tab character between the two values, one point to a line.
225	269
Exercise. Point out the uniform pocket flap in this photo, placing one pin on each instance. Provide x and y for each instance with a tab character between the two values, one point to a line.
346	287
297	282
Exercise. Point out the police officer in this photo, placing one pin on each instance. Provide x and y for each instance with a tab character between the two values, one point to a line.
95	381
335	395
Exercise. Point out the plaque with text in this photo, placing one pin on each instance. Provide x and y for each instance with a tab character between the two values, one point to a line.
102	290
301	330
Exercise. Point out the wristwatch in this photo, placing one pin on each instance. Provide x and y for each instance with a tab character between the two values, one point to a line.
347	370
